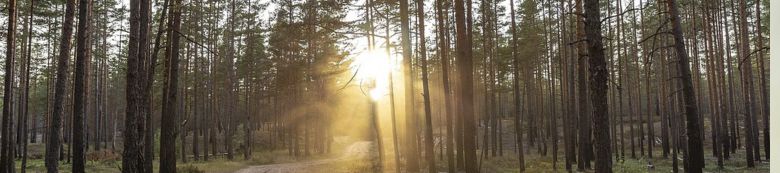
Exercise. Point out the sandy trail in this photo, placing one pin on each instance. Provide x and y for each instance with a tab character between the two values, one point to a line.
356	150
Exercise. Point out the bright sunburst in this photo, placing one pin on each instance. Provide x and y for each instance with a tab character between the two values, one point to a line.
374	66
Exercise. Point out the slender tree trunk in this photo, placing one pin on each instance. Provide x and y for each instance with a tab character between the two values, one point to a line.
762	78
585	145
429	155
411	132
443	32
147	66
6	156
170	95
516	87
746	67
26	93
392	93
197	124
80	87
695	151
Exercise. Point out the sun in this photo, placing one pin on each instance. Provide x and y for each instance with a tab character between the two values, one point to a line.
374	66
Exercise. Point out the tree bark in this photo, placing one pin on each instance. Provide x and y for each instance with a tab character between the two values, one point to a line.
516	87
695	151
428	142
170	95
598	85
53	145
411	131
585	135
6	156
465	68
81	85
133	152
762	79
24	108
746	67
443	32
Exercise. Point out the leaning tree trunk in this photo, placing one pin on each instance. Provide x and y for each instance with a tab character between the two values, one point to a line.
695	151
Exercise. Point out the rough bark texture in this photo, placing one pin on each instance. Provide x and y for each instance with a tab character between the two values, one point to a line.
132	153
53	142
170	94
598	85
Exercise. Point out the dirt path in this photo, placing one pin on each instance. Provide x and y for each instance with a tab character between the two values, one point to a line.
355	150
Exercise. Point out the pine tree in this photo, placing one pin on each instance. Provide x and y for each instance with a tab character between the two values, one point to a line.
80	104
170	95
6	144
598	86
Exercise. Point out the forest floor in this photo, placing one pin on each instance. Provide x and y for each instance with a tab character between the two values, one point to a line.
535	162
356	152
355	158
353	155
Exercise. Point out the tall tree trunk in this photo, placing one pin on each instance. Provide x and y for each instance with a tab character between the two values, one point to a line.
148	64
26	93
81	87
231	95
443	33
397	153
53	143
745	65
585	145
465	68
6	156
695	151
170	96
133	155
598	85
428	142
516	87
197	124
762	78
411	132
